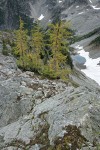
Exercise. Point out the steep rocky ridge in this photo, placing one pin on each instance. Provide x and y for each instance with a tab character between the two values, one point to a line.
37	113
42	114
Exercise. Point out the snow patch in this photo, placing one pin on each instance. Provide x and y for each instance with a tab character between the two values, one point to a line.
95	7
92	68
90	1
60	1
80	13
77	6
41	17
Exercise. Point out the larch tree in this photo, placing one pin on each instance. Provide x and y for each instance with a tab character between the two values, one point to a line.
58	42
38	46
21	45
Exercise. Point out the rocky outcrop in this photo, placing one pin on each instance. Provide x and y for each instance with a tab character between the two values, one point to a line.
43	114
38	113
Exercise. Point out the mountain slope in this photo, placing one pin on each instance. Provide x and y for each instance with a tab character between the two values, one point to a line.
84	14
43	114
36	114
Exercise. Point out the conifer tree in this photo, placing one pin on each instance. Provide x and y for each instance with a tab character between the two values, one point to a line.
58	42
30	58
38	45
21	45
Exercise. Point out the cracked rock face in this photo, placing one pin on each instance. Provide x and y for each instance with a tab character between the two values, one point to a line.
37	113
41	114
20	91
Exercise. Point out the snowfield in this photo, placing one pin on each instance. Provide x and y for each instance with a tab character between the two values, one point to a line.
92	65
